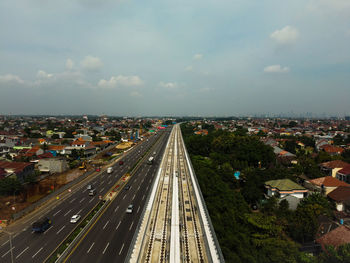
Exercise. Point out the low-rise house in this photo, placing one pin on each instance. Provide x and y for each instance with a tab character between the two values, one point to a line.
333	167
327	184
53	165
283	187
344	174
337	237
20	169
59	149
341	197
332	150
80	144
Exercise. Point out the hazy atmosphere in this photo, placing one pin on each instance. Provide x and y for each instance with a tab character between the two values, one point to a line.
174	57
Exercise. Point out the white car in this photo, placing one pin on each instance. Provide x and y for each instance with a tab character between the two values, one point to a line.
75	218
129	209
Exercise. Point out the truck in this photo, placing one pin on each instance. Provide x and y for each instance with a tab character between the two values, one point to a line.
109	170
150	160
41	225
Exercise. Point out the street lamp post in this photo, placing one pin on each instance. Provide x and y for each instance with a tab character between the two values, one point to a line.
10	238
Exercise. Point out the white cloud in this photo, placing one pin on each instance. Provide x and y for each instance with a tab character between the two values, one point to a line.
43	75
168	85
120	80
286	35
91	63
276	69
189	68
10	78
198	56
135	94
69	64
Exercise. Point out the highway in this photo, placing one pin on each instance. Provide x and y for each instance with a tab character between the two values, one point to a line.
110	237
33	247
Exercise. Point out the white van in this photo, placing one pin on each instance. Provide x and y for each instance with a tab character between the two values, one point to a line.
109	170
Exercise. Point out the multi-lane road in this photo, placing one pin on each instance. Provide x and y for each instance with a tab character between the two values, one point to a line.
99	243
110	237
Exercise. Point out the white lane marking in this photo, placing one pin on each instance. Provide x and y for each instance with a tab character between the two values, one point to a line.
48	230
15	235
115	210
147	188
106	224
102	190
91	199
5	243
131	225
82	200
138	210
7	252
124	196
91	247
67	212
102	182
138	188
60	230
142	180
71	201
37	252
118	225
143	197
121	249
79	211
22	252
56	212
110	181
84	190
133	197
24	229
105	248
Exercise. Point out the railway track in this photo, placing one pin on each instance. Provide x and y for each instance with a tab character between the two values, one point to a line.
192	245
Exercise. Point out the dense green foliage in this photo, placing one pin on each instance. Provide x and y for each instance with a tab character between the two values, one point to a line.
8	186
273	233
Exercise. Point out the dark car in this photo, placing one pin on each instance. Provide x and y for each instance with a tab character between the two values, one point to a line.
127	187
121	162
41	225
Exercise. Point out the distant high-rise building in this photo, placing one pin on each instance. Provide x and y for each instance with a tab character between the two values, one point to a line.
347	118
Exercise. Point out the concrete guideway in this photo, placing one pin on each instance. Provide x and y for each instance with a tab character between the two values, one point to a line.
175	226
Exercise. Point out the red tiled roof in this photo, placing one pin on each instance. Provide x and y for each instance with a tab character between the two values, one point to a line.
341	193
337	237
17	166
332	149
328	181
335	164
345	170
56	147
45	155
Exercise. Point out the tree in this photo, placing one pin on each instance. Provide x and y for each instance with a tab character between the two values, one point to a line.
9	185
335	255
55	136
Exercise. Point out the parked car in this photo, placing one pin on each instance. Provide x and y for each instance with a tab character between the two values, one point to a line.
127	187
92	192
75	218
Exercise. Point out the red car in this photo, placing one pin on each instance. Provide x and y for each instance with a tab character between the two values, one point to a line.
121	162
98	169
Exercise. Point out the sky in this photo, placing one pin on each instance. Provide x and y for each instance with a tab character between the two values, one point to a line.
183	58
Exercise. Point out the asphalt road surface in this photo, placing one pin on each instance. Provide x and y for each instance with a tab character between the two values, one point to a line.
34	247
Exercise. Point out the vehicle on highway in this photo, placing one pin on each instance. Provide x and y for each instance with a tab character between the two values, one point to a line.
92	192
41	225
89	187
154	153
98	169
150	160
129	209
75	218
121	162
109	170
127	187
